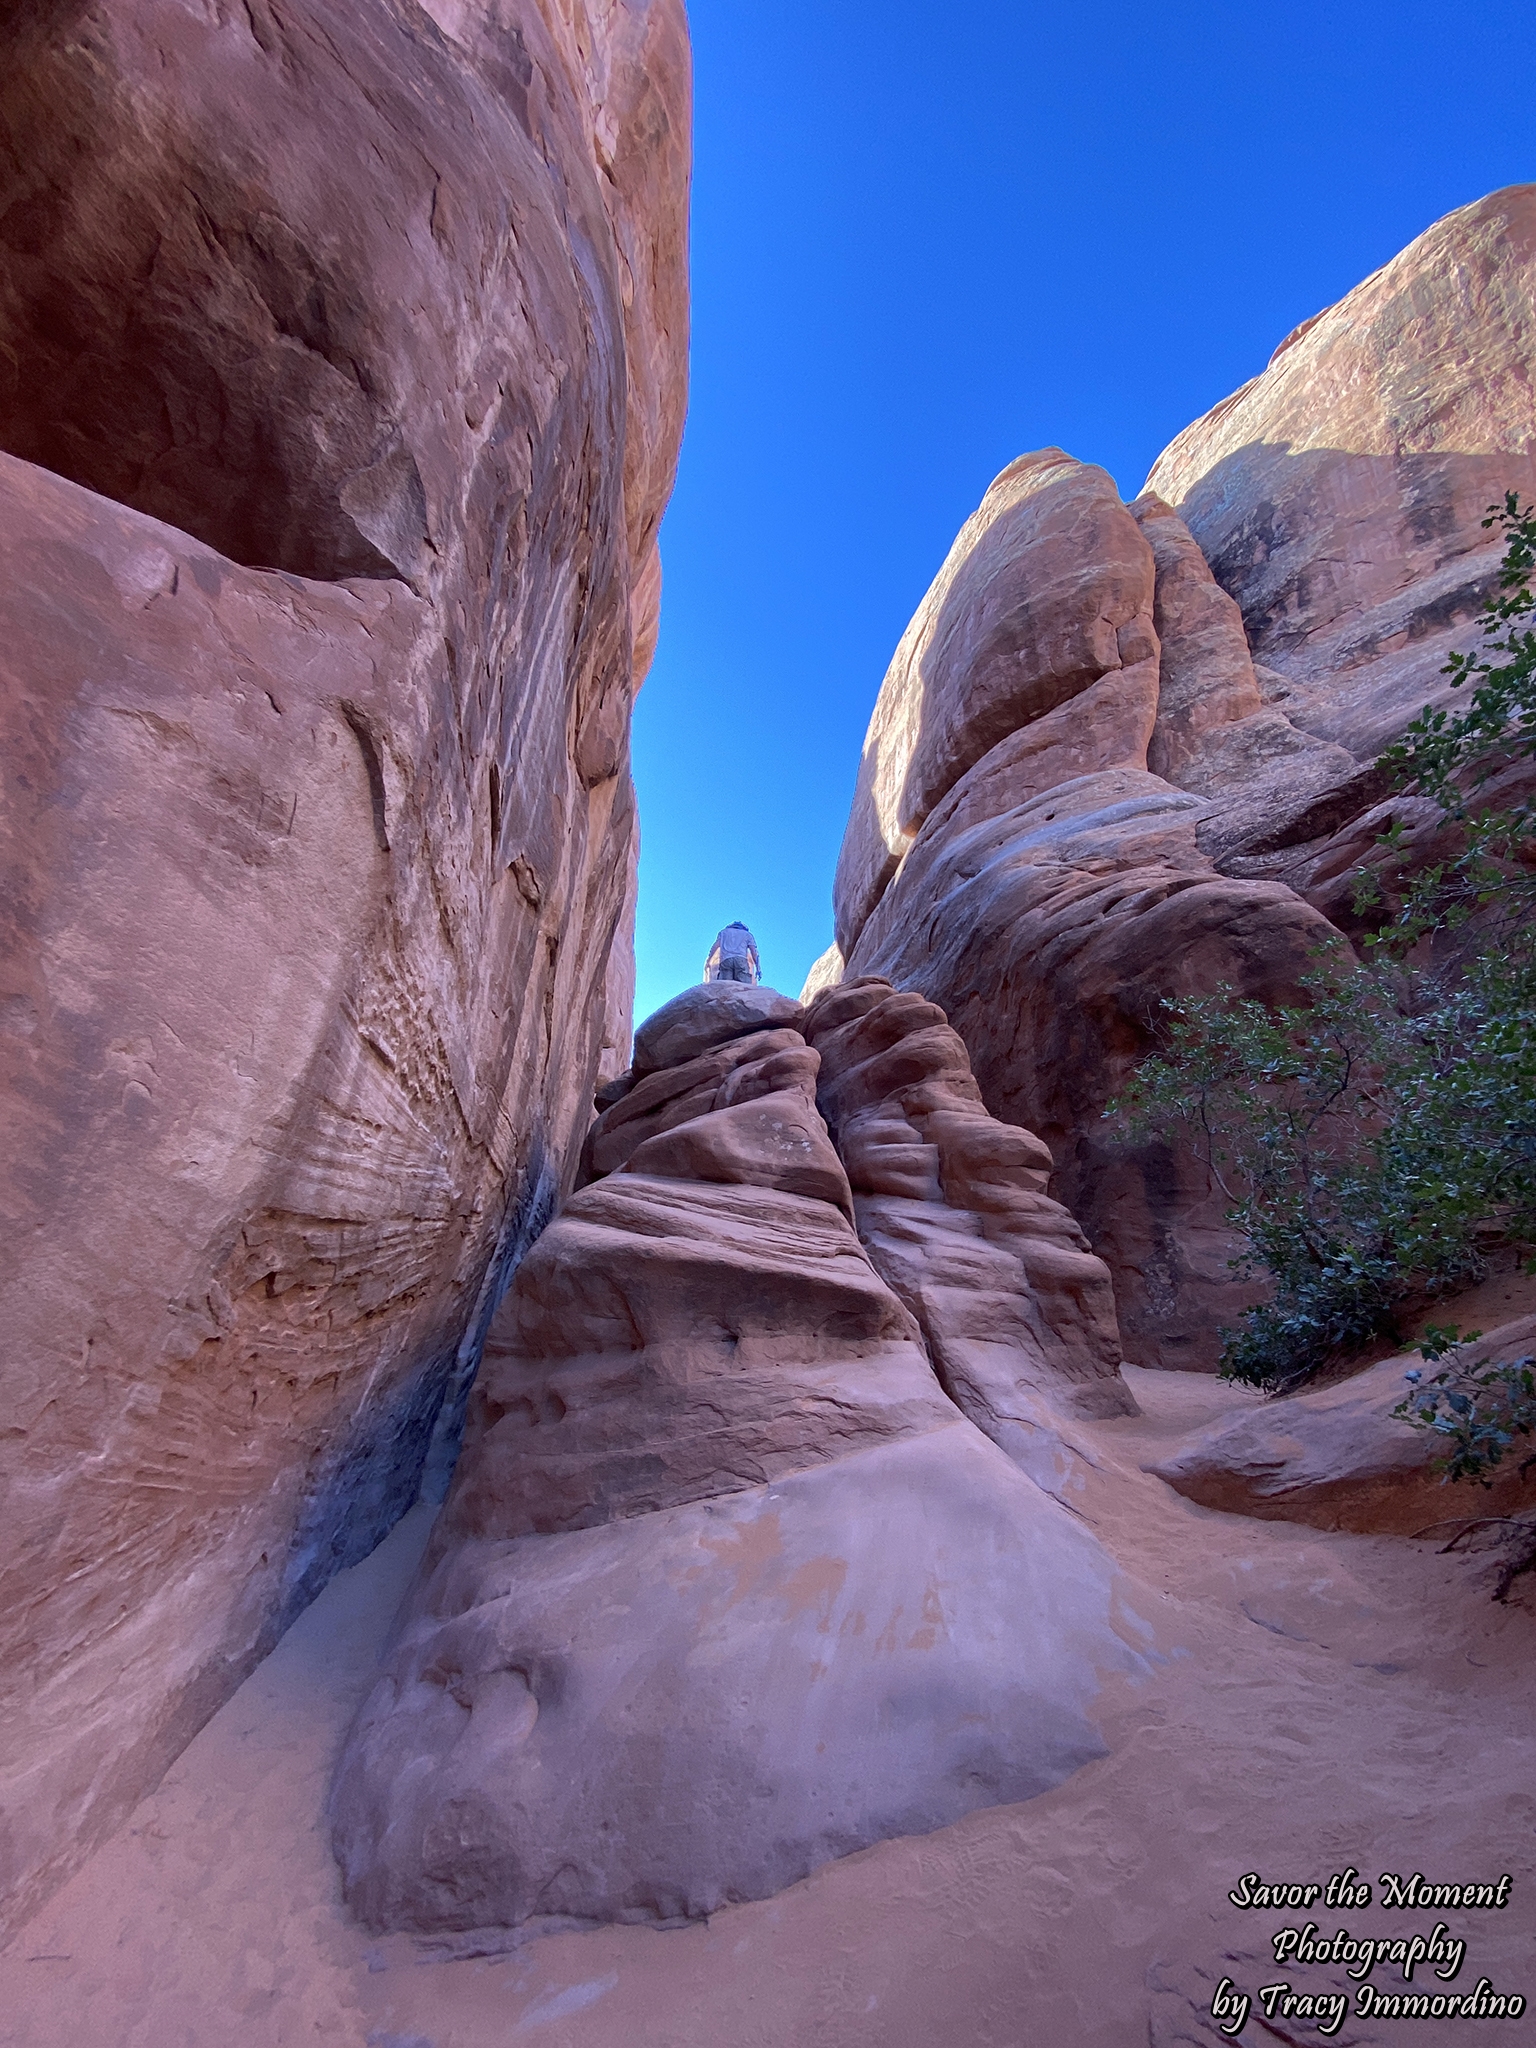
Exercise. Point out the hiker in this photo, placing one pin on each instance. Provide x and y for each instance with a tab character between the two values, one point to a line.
733	957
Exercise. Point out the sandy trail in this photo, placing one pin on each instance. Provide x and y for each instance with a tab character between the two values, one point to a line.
1323	1701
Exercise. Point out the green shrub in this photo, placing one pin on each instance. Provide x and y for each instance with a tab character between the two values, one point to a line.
1481	1412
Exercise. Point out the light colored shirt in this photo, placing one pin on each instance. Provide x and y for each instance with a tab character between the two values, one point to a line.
733	957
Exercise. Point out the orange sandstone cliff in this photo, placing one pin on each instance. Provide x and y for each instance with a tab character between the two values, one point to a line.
1127	752
342	356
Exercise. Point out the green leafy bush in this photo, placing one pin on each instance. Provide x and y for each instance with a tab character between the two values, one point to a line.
1481	1411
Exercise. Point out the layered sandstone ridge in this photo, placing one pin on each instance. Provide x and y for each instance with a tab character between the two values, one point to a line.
341	374
1017	1313
725	1586
1126	752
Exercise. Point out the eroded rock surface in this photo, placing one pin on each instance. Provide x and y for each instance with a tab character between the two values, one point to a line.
1336	1457
1051	930
1126	753
1339	496
1017	1313
726	1586
1048	587
341	374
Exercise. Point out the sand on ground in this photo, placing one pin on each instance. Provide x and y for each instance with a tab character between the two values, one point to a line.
1321	1701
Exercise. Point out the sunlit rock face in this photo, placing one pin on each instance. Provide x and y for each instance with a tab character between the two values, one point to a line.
991	651
726	1586
1339	497
1127	752
341	376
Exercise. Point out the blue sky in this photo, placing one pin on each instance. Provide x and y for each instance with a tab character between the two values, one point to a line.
926	239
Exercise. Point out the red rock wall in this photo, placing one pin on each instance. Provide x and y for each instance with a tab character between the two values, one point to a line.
342	363
1126	753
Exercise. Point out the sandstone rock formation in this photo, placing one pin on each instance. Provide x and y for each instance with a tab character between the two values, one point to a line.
1337	1458
1017	1313
1125	753
1051	898
1339	496
725	1586
990	651
341	375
